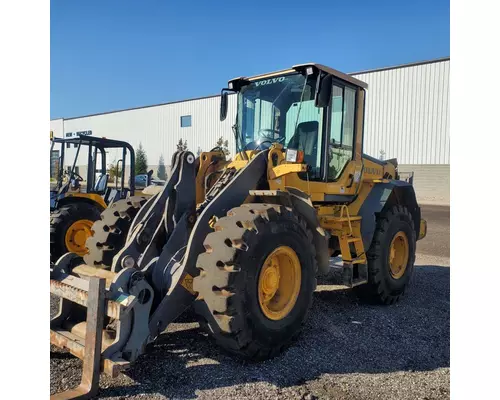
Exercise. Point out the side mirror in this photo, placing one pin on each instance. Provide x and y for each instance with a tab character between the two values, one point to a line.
223	106
323	91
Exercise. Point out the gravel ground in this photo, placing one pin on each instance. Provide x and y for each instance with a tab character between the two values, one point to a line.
347	350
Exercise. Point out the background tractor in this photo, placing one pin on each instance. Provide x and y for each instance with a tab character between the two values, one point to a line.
245	249
75	202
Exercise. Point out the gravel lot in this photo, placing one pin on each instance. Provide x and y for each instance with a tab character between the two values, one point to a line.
347	350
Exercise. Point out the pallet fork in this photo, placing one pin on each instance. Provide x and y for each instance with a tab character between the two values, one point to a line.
87	302
89	385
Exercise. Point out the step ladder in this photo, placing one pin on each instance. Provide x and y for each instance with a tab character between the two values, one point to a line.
348	231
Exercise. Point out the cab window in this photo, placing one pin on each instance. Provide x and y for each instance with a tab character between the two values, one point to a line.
341	141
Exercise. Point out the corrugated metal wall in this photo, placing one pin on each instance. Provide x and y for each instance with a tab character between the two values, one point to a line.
158	128
407	114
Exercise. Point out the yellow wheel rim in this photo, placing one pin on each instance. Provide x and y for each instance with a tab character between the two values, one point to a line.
77	235
279	283
399	253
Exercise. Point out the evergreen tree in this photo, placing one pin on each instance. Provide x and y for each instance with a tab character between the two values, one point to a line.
182	146
224	145
114	171
161	169
141	161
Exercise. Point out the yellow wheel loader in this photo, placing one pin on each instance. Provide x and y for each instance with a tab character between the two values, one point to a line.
75	203
245	248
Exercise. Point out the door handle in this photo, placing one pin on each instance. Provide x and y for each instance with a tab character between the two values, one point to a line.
351	180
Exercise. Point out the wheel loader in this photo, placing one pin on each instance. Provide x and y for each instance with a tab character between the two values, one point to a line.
74	208
244	249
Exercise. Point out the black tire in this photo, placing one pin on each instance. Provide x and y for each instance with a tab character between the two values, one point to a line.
382	287
110	231
229	269
62	218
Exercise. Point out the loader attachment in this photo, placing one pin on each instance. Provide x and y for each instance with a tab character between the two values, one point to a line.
102	319
90	350
107	317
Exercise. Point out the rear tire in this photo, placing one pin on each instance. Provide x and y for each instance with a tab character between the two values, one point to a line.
62	219
230	280
111	230
386	285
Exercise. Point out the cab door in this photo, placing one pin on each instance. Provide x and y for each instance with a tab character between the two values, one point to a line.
343	149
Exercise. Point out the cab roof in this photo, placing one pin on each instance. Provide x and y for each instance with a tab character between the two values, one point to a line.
92	140
295	68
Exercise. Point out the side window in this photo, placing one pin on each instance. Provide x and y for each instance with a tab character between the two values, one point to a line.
341	143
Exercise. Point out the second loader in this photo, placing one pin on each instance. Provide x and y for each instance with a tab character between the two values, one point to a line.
74	208
245	248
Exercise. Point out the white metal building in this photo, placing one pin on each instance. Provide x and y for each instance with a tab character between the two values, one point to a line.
407	117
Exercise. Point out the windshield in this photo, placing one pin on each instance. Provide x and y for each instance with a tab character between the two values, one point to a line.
281	110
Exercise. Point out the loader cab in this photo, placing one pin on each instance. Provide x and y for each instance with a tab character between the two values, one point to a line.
86	155
316	114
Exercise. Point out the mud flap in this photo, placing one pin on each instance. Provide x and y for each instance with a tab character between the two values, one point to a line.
398	191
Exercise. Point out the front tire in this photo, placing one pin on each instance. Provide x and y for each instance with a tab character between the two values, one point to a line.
251	310
391	257
111	230
70	227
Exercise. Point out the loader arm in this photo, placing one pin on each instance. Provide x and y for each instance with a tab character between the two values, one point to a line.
150	282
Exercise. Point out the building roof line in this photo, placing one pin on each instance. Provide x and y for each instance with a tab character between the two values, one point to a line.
137	108
413	64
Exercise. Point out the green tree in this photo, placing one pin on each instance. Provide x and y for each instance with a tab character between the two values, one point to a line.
141	161
161	169
114	171
182	146
224	145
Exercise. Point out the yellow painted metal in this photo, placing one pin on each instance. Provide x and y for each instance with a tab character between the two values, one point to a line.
279	283
240	161
423	229
285	169
77	235
399	253
210	162
187	283
91	196
347	228
270	74
237	164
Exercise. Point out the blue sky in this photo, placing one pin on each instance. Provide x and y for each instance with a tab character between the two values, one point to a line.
109	55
